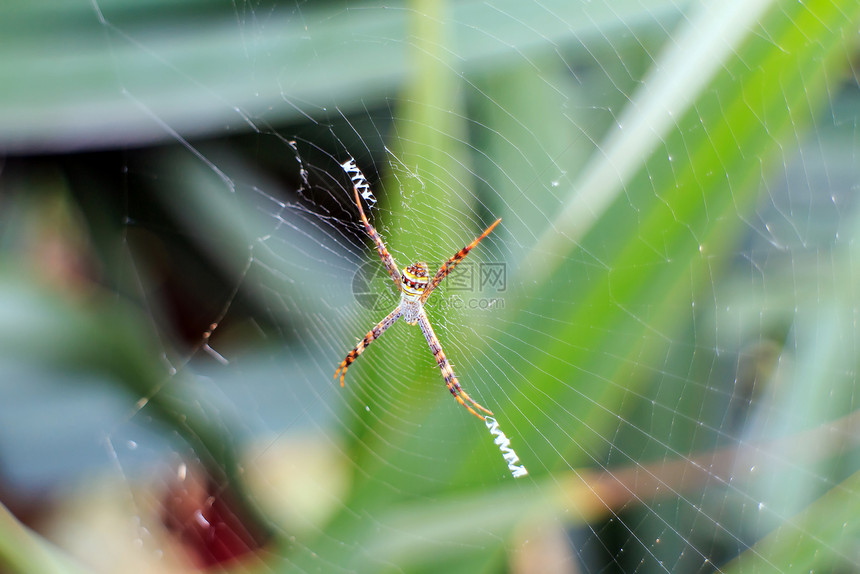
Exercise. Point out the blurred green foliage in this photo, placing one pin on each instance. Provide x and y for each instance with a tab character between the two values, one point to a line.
669	124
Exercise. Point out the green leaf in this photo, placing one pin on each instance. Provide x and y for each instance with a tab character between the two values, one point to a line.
610	281
24	551
822	538
83	73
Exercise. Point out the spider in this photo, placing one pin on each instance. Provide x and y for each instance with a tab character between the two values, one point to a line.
415	286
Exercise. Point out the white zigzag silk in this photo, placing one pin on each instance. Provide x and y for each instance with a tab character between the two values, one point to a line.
504	444
358	180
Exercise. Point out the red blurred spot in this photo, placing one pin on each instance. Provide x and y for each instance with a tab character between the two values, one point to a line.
209	522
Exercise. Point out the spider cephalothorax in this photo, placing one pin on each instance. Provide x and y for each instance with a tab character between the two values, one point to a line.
415	287
413	284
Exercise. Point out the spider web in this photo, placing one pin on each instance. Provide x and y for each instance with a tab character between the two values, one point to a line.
663	324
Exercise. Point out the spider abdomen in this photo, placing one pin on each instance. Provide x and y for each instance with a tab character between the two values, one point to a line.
414	280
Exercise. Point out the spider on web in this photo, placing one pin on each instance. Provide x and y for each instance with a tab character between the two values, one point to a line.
415	286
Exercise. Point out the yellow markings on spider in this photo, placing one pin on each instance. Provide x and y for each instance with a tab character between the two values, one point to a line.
415	286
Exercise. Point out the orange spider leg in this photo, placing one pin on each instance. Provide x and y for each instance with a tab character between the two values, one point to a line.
371	336
454	261
447	371
358	179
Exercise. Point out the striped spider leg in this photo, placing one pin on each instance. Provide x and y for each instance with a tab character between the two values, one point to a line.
454	261
415	287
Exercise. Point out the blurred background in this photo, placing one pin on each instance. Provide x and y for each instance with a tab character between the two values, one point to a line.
664	324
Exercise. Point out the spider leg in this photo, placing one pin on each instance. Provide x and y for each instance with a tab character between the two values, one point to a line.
371	336
359	181
447	371
454	261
